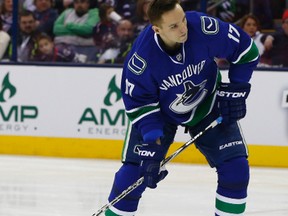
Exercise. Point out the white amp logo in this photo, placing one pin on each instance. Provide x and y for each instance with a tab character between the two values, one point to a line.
285	99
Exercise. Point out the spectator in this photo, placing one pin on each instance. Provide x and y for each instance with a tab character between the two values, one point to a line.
276	45
121	46
251	25
141	20
4	41
74	27
48	52
27	37
7	15
105	30
45	16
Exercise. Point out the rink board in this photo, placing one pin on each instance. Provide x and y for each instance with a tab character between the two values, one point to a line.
270	156
78	112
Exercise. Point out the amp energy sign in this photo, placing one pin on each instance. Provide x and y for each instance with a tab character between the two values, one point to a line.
61	102
75	102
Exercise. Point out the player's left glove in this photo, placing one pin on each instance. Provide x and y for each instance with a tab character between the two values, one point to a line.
231	99
151	155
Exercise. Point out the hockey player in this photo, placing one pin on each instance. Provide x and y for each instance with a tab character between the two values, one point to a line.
170	78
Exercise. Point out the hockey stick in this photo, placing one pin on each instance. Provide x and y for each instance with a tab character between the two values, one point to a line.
165	161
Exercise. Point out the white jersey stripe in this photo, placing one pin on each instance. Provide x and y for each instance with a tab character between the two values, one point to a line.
119	212
230	200
244	52
221	213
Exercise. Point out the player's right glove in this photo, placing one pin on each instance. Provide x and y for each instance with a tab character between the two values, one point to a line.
231	99
151	155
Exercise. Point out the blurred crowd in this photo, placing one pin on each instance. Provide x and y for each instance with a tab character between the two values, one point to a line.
102	31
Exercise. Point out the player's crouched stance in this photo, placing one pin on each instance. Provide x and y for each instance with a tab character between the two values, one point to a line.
223	146
166	82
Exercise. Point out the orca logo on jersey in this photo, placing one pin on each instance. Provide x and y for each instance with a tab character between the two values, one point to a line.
137	64
209	25
190	98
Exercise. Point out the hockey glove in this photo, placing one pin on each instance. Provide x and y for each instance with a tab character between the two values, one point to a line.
231	99
151	156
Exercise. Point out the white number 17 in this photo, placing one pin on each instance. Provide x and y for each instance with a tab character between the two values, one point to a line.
233	32
129	87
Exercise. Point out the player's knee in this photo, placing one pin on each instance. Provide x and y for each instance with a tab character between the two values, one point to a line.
233	176
127	175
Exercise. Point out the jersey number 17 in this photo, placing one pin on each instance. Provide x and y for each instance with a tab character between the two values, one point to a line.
233	33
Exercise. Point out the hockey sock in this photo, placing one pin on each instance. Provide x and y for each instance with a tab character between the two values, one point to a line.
233	179
126	176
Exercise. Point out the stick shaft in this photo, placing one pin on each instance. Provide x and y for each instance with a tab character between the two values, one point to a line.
165	161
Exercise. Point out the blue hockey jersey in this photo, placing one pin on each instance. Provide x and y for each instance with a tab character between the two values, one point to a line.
181	89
